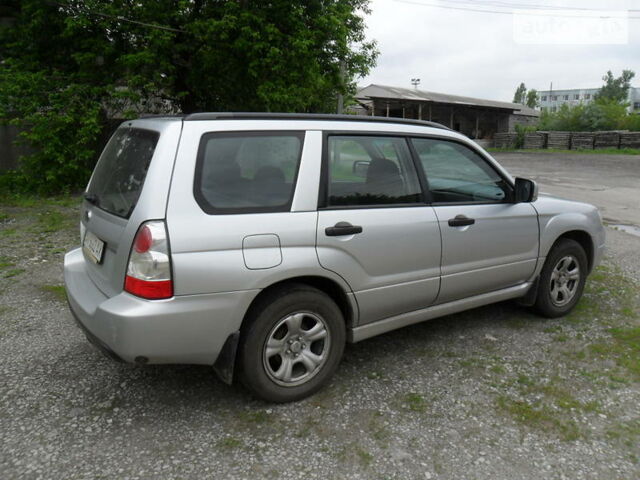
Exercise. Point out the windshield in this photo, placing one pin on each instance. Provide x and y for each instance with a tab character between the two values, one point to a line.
119	175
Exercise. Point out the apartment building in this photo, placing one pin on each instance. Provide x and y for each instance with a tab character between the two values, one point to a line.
553	99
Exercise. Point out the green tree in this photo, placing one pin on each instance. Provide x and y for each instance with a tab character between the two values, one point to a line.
68	66
532	98
602	114
521	94
616	89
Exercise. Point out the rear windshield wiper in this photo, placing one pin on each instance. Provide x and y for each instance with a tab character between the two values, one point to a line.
92	198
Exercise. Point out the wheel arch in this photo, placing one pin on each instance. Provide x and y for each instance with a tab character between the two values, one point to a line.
346	303
225	365
585	240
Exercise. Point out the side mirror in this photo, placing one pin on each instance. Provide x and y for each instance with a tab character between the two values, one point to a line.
526	190
360	168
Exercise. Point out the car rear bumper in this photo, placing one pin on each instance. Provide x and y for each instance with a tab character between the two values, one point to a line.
183	329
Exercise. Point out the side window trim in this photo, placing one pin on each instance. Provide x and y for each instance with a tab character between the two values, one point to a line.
422	178
507	181
323	191
209	209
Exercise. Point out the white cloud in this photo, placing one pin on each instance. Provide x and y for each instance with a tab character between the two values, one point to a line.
475	54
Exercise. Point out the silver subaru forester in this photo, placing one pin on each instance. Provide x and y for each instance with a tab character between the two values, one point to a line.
260	243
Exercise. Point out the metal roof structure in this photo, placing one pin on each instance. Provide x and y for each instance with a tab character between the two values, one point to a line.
385	92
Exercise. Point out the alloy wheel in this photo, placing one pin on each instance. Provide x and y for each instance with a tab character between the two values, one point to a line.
296	348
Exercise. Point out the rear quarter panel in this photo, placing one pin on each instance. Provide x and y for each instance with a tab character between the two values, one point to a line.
118	233
207	249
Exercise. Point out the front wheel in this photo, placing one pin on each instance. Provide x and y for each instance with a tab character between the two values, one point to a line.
293	344
562	279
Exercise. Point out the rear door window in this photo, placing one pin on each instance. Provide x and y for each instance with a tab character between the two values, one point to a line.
370	171
120	172
244	172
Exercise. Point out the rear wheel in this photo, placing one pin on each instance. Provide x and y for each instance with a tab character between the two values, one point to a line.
562	279
292	345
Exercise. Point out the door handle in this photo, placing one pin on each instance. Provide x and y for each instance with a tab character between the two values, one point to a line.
342	228
461	221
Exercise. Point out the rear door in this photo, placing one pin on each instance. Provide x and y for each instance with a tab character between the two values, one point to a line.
128	186
374	228
488	242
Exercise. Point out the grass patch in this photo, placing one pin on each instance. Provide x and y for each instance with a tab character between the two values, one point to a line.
57	291
5	263
540	416
12	272
51	221
33	201
365	457
308	426
553	329
624	349
473	362
7	232
613	300
230	443
259	416
628	432
414	402
546	406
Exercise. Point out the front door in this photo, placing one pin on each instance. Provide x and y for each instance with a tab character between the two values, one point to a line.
374	228
488	242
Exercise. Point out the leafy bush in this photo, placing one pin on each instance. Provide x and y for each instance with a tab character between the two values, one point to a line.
67	67
603	114
521	130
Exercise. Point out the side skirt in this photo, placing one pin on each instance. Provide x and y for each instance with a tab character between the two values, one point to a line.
392	323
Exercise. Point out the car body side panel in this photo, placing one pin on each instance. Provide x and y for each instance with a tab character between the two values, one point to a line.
558	216
207	250
393	265
498	251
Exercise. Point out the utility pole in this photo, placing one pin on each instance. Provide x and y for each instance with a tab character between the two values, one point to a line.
340	96
415	82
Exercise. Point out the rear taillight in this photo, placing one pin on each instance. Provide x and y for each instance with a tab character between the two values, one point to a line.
149	269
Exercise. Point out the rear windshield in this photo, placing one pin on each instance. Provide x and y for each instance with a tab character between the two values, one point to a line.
119	175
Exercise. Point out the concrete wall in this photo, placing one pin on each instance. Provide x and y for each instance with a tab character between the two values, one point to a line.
524	120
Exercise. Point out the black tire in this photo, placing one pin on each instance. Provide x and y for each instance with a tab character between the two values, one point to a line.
550	303
274	317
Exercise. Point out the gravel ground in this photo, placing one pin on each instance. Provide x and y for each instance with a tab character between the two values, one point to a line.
493	393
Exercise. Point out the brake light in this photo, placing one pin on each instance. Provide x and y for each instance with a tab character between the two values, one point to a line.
149	268
143	240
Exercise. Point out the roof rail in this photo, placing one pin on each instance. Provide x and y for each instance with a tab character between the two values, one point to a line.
161	115
308	116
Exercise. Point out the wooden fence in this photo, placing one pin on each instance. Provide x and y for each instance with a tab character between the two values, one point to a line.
568	140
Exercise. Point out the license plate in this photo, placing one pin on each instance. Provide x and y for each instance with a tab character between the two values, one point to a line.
93	247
